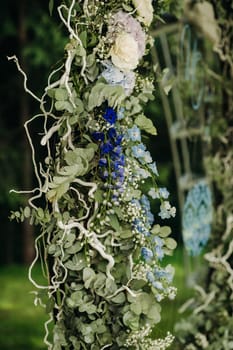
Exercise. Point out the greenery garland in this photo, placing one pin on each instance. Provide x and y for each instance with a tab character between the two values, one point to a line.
99	246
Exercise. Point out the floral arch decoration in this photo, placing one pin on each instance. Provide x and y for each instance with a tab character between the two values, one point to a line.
99	244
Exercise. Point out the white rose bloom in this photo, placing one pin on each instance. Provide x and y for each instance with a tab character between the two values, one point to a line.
124	52
144	10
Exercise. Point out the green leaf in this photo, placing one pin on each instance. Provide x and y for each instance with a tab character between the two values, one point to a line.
145	124
83	37
99	284
90	308
110	286
131	320
51	5
50	305
98	195
77	263
114	222
27	212
165	231
64	106
70	238
88	277
154	313
156	229
127	8
136	308
127	233
104	92
119	298
170	243
75	248
61	94
40	213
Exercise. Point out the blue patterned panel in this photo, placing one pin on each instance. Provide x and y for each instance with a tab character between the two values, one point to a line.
197	218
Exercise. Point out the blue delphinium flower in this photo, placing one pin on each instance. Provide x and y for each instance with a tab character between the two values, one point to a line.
118	140
134	134
103	162
110	115
112	132
98	136
106	147
117	150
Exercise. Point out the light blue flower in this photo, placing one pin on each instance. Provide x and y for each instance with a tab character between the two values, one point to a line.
145	202
150	277
147	254
153	193
159	252
153	168
158	241
134	134
114	76
158	285
144	174
146	207
120	113
166	211
138	150
164	192
146	158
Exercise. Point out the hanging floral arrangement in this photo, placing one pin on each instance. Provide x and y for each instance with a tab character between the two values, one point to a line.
99	243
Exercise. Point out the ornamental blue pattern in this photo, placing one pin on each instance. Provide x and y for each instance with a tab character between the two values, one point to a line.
197	218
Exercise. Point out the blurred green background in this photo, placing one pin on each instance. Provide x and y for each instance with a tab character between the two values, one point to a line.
28	31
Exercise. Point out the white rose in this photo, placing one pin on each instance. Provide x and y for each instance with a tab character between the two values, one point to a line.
124	52
144	10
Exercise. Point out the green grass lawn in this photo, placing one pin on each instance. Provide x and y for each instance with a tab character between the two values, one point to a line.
21	323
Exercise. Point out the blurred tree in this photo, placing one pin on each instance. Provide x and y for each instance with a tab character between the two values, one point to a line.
29	32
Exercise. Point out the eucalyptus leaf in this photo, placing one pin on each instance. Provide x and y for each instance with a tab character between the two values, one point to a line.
88	277
114	222
74	248
146	124
170	243
131	320
119	298
165	231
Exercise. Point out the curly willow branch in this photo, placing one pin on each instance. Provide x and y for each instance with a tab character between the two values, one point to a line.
73	35
15	59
